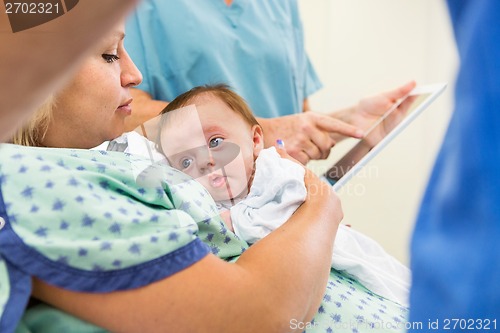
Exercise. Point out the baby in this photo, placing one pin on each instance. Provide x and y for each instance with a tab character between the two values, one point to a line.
211	134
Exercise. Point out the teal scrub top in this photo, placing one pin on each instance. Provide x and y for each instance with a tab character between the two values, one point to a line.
255	46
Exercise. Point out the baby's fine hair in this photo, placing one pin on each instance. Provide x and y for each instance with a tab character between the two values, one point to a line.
222	91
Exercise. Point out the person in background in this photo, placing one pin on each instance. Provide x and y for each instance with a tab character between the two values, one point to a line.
256	47
455	248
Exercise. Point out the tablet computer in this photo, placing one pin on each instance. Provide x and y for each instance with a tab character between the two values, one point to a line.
381	132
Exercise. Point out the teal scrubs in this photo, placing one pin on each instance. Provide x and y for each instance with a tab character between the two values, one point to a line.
255	46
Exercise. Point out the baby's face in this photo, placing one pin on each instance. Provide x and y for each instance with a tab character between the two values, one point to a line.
214	145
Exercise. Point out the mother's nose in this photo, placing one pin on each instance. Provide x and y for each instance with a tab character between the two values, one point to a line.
130	74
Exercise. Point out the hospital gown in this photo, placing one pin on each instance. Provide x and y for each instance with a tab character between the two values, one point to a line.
156	227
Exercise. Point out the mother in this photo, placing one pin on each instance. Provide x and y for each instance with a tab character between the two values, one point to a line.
84	236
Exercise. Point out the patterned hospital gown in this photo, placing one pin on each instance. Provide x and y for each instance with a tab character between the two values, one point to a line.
82	219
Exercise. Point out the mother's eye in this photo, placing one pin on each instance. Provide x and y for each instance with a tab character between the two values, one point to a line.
110	57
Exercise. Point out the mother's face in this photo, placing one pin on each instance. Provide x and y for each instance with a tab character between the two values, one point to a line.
92	108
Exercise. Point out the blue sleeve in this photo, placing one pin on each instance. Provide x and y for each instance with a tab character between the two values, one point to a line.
456	8
455	245
313	83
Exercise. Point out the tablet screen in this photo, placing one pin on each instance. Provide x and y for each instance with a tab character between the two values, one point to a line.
377	132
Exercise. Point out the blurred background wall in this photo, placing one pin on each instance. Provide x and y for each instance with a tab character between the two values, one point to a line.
363	47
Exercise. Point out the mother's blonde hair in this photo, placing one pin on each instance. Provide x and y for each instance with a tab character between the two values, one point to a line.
34	131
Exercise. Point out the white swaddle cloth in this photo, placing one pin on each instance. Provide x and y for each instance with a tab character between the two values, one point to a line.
276	193
278	190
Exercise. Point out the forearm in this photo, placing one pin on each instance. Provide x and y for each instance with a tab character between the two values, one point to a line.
37	61
279	279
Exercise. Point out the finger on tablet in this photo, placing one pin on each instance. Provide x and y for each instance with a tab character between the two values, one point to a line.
336	126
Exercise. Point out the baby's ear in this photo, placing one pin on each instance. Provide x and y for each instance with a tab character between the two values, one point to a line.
258	139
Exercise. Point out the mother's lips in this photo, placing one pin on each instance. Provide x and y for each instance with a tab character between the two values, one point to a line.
127	103
126	108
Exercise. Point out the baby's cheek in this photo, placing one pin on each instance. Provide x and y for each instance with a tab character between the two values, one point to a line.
203	180
240	172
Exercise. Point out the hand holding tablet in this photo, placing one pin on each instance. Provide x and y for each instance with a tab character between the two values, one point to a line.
381	132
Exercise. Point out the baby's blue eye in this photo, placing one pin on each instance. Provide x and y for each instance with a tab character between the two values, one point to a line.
186	162
215	142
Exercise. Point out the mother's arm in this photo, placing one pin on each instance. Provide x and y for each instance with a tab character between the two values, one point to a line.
279	279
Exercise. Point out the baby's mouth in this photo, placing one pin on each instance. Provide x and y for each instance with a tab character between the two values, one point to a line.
217	181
